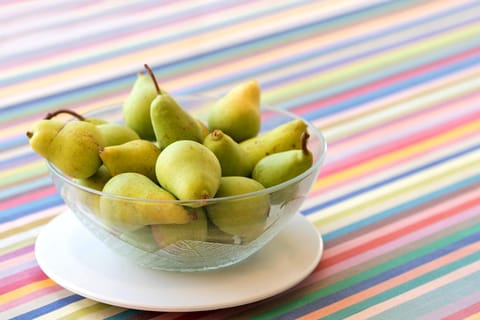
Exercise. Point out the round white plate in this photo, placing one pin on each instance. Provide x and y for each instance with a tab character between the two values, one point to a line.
77	261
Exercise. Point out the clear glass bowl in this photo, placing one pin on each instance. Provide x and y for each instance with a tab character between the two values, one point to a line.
208	247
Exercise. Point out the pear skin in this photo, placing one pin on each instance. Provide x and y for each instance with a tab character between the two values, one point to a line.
172	123
283	166
74	150
196	229
136	108
243	217
237	113
188	170
42	134
127	211
281	138
233	159
125	158
115	133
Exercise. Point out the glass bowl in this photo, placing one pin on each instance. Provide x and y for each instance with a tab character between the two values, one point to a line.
202	246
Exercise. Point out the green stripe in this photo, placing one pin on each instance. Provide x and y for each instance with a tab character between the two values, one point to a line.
369	273
434	300
86	311
404	287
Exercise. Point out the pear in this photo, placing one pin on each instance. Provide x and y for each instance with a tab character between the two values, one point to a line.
203	128
243	217
233	159
140	238
116	133
42	134
95	182
128	211
136	108
125	158
283	166
170	121
196	229
71	147
237	113
188	170
284	137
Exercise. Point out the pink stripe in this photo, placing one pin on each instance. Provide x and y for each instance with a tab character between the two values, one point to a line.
447	111
453	308
474	309
21	279
377	85
440	207
29	197
18	252
400	143
369	172
322	273
31	296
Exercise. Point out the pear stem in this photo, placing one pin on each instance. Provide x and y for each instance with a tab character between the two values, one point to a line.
50	115
150	72
305	137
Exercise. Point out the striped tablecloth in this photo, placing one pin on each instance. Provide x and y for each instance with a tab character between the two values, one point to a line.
393	85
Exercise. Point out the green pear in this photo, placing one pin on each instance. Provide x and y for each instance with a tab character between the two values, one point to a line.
242	217
283	166
42	134
140	238
116	133
138	156
233	159
284	137
96	181
72	148
128	211
238	112
172	123
136	107
196	229
188	170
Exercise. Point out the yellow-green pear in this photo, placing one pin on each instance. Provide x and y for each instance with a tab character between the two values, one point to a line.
116	133
237	113
243	217
170	122
284	137
188	170
129	211
138	156
196	229
73	149
283	166
233	159
42	133
136	108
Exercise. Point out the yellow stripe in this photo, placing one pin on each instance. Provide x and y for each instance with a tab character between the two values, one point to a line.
25	290
389	158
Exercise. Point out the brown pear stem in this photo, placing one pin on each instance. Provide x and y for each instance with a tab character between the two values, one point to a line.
305	137
150	72
50	115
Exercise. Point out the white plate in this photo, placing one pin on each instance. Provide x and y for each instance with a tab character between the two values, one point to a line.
77	261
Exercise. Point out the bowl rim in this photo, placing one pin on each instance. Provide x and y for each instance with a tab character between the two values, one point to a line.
312	129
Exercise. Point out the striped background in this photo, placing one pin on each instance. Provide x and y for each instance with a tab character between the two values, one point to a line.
394	86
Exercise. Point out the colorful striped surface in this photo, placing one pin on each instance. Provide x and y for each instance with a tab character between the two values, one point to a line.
393	85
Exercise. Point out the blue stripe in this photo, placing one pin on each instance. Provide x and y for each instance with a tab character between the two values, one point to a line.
382	74
391	273
30	207
48	308
475	179
127	79
391	179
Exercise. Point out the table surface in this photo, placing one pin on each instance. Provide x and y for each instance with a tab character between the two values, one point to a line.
393	85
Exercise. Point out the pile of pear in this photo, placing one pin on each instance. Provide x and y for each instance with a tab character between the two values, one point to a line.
160	151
